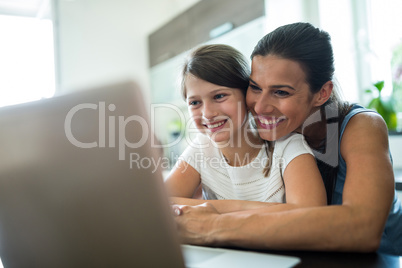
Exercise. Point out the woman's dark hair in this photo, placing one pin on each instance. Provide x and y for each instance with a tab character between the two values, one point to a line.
218	64
312	49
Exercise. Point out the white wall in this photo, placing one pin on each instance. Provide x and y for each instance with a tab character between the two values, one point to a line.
395	143
98	41
289	11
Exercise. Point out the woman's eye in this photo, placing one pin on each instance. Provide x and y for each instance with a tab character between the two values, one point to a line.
281	93
254	87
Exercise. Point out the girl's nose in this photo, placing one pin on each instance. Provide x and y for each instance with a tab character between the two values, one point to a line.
209	111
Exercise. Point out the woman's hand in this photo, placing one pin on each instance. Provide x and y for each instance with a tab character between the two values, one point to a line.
195	223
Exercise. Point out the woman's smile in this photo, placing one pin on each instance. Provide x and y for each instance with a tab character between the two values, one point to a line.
278	97
270	122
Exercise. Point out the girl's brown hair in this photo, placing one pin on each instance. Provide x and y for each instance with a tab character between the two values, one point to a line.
218	64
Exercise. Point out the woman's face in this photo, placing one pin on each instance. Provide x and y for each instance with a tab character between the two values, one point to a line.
218	111
278	96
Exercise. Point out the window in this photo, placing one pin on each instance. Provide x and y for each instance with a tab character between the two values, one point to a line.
367	41
343	43
385	38
26	59
385	28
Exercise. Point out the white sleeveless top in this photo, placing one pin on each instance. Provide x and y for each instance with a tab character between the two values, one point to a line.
222	181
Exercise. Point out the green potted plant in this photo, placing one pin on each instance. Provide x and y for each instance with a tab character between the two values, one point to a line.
384	106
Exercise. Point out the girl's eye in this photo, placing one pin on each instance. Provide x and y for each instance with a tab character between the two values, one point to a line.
193	103
219	96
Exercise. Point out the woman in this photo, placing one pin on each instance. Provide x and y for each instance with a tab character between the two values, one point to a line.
235	167
365	214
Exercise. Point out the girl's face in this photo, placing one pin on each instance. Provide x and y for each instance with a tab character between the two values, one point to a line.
219	112
278	96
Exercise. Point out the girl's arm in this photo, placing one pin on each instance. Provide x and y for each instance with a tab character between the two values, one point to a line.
303	185
356	225
183	180
303	182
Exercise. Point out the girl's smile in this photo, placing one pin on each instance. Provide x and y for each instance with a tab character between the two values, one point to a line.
217	111
215	126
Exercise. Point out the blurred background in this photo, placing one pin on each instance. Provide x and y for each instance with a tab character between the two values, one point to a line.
51	47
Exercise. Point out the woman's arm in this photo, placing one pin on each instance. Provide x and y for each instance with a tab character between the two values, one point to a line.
356	225
223	206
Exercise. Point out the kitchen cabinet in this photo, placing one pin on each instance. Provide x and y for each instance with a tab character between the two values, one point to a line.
193	27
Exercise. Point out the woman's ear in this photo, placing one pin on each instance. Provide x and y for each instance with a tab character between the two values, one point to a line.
323	95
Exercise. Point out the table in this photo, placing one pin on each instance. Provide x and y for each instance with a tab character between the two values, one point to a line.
313	259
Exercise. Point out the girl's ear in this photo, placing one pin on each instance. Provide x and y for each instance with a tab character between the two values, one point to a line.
323	95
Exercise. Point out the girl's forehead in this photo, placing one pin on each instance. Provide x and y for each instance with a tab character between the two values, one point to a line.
197	87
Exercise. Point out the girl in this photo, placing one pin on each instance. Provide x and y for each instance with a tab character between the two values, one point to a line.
228	159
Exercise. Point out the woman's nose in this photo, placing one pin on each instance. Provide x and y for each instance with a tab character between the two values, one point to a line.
263	104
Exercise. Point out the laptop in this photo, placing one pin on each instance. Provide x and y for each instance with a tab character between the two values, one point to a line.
81	186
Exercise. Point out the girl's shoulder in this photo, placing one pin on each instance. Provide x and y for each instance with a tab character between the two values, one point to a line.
290	138
292	142
200	143
198	140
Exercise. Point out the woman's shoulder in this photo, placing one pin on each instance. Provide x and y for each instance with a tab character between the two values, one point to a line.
364	129
358	111
365	121
359	119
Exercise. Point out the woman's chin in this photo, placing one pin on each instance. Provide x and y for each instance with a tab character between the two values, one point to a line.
270	135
